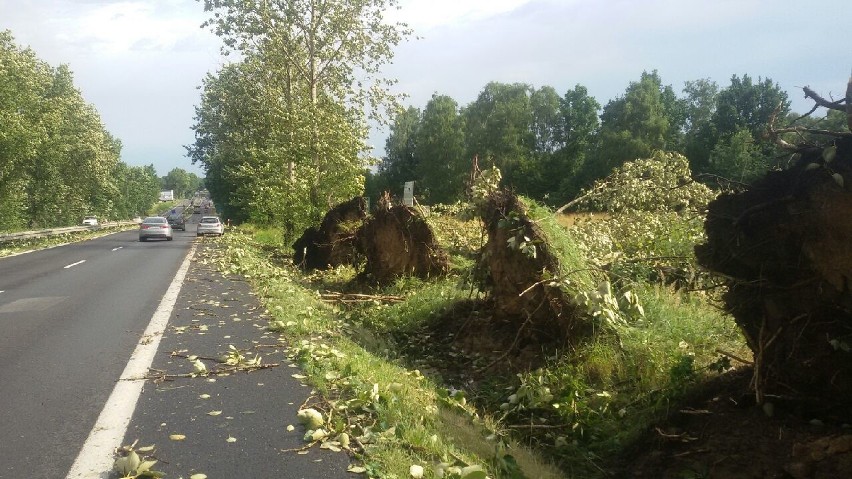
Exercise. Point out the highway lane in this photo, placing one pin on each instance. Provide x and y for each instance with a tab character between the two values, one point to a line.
69	319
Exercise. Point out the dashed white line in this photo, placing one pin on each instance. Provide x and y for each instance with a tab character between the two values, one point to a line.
75	264
116	249
95	459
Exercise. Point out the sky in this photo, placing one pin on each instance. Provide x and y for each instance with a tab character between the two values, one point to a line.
141	62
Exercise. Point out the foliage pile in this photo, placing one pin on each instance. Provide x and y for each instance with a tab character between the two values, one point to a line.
784	246
333	244
655	214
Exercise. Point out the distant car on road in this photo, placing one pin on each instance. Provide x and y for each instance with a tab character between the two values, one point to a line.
210	225
177	222
90	221
155	227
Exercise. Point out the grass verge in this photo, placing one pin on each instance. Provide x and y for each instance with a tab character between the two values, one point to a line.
383	369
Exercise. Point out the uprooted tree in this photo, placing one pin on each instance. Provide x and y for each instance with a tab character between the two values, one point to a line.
784	245
396	241
524	274
333	244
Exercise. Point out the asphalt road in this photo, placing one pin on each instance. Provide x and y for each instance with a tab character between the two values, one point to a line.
70	316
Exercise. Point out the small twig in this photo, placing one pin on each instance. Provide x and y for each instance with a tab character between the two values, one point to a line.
538	426
356	297
680	437
695	411
303	448
694	451
213	372
733	356
187	356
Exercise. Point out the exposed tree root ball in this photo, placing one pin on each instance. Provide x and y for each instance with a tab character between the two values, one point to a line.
333	244
397	241
518	264
785	245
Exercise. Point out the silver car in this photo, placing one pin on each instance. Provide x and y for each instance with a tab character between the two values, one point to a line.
210	225
155	227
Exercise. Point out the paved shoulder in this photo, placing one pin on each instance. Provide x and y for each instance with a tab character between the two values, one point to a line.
227	426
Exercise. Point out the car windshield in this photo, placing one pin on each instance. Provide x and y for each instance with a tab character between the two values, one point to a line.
210	220
154	221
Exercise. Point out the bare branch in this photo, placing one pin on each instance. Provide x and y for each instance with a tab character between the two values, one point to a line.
831	105
772	133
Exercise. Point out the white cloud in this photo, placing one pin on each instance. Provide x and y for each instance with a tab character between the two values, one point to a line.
424	15
121	27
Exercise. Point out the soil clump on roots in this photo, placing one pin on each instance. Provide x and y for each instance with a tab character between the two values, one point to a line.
521	269
333	243
785	247
397	241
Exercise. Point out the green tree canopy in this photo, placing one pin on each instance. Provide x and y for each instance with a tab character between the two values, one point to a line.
312	70
441	163
57	161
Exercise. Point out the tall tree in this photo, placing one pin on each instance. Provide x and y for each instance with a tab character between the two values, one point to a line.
56	157
399	163
182	182
633	126
700	99
743	105
499	128
536	177
439	151
316	63
579	125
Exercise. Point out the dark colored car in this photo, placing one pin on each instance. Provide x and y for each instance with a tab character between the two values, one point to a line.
177	222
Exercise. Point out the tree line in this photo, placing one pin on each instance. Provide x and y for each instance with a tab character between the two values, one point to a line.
549	146
281	133
57	161
183	183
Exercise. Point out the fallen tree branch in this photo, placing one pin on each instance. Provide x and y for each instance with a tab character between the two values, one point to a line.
358	298
734	357
162	376
831	105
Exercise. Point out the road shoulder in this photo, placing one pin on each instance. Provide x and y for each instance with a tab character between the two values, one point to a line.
225	425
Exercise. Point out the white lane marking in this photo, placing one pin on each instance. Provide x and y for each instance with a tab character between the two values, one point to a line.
96	457
116	249
75	264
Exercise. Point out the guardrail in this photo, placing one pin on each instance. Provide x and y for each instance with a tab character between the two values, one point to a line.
4	238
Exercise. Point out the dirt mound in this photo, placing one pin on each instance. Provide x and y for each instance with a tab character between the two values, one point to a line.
397	241
333	243
785	247
518	264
